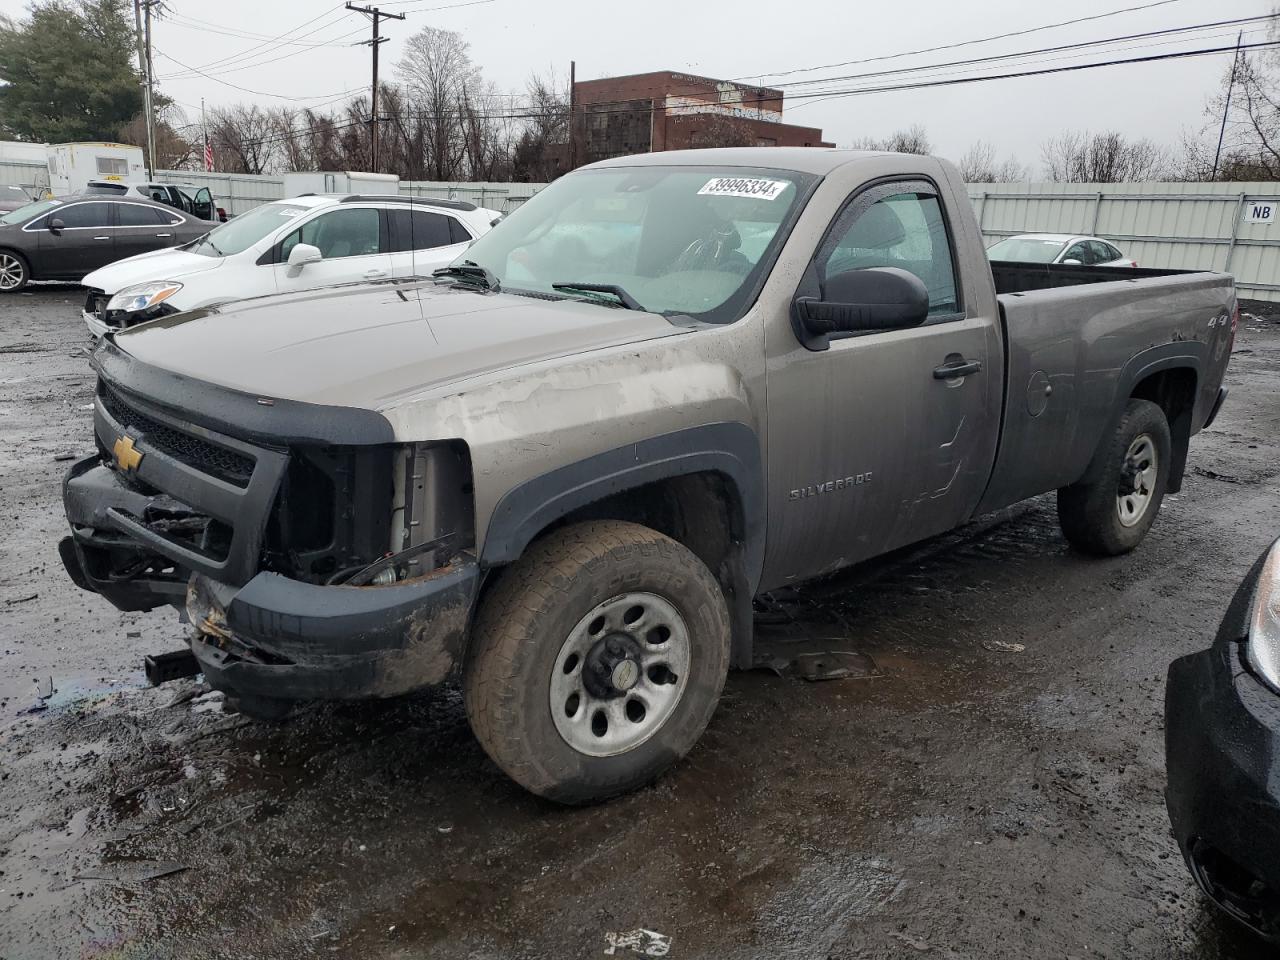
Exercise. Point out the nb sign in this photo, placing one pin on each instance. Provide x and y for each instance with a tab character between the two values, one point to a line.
1262	212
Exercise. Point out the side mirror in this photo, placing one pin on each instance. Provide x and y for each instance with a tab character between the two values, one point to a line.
1072	263
56	227
304	253
859	301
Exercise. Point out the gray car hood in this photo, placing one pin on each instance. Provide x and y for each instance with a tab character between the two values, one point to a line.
369	345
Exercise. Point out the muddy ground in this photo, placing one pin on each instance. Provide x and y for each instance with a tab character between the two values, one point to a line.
971	799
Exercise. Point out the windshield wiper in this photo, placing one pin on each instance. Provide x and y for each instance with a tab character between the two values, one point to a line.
468	271
204	239
624	298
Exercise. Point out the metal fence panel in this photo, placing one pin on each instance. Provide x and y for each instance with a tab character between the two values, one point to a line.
1185	226
503	197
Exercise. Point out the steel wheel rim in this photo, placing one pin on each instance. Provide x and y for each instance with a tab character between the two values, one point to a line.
11	272
1138	475
594	695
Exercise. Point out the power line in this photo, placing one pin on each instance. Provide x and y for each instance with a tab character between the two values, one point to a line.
962	43
376	16
228	83
251	52
1082	45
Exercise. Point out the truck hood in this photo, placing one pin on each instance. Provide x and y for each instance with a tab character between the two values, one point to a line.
169	264
370	345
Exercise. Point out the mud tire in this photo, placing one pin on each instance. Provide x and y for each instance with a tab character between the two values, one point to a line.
1087	512
517	639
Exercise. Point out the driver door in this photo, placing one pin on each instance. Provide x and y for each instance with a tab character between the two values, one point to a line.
874	442
353	247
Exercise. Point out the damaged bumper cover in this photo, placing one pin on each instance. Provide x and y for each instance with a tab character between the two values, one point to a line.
276	637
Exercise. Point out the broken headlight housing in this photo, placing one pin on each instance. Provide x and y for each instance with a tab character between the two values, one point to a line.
143	296
1262	650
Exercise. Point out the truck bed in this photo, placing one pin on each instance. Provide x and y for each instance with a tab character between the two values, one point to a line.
1014	277
1070	357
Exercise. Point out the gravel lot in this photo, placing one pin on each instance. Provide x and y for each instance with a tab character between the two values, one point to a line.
992	790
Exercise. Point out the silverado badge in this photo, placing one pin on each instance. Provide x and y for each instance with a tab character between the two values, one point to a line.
127	457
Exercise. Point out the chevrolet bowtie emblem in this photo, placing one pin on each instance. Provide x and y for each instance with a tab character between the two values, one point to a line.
127	458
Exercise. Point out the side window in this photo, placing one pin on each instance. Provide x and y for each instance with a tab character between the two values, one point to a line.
86	215
1078	252
1102	253
904	230
136	215
341	233
419	230
458	233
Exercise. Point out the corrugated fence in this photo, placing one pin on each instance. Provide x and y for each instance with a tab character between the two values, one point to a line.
1189	226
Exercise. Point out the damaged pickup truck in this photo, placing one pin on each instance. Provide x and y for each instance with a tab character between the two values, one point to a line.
562	468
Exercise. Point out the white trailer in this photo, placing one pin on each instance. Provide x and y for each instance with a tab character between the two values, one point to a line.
73	165
346	181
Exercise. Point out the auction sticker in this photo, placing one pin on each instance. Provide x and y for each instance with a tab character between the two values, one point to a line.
743	187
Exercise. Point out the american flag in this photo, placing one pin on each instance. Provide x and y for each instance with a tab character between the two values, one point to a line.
208	155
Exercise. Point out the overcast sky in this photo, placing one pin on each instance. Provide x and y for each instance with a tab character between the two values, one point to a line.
748	38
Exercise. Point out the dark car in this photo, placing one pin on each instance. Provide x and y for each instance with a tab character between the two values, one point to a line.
68	237
1222	747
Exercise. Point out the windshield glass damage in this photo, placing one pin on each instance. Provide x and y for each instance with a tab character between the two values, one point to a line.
671	240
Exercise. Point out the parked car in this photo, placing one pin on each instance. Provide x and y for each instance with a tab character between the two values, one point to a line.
189	198
65	238
299	244
1222	749
11	198
564	468
1059	248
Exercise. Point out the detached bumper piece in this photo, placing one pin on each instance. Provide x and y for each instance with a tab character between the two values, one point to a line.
1223	757
281	638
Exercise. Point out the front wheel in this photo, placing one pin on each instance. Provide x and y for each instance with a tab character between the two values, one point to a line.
598	660
14	272
1111	514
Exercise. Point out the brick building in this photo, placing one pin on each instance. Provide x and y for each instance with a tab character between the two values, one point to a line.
644	112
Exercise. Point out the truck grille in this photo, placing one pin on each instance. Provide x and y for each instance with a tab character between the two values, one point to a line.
207	457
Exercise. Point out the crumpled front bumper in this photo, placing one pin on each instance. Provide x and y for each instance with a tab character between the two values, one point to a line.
276	637
273	636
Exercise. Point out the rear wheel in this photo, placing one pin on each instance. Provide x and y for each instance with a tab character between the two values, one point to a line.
1111	514
598	660
14	272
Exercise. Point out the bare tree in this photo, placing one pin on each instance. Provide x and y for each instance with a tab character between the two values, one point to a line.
244	139
175	149
441	79
1108	157
1251	135
979	165
913	139
540	152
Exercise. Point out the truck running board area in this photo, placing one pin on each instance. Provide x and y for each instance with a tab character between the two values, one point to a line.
163	667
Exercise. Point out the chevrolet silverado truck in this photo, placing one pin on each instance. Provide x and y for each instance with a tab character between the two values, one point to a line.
562	468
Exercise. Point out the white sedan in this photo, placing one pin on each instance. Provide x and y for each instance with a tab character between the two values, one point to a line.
1059	248
288	245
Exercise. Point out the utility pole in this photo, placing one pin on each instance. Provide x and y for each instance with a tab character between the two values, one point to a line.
377	16
573	115
144	65
151	92
1222	131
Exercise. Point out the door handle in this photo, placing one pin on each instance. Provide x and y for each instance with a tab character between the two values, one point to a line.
956	369
374	274
102	238
165	236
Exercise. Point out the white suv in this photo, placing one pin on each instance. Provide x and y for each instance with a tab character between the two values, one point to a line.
300	244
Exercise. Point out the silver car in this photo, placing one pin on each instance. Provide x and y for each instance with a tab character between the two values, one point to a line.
1059	248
